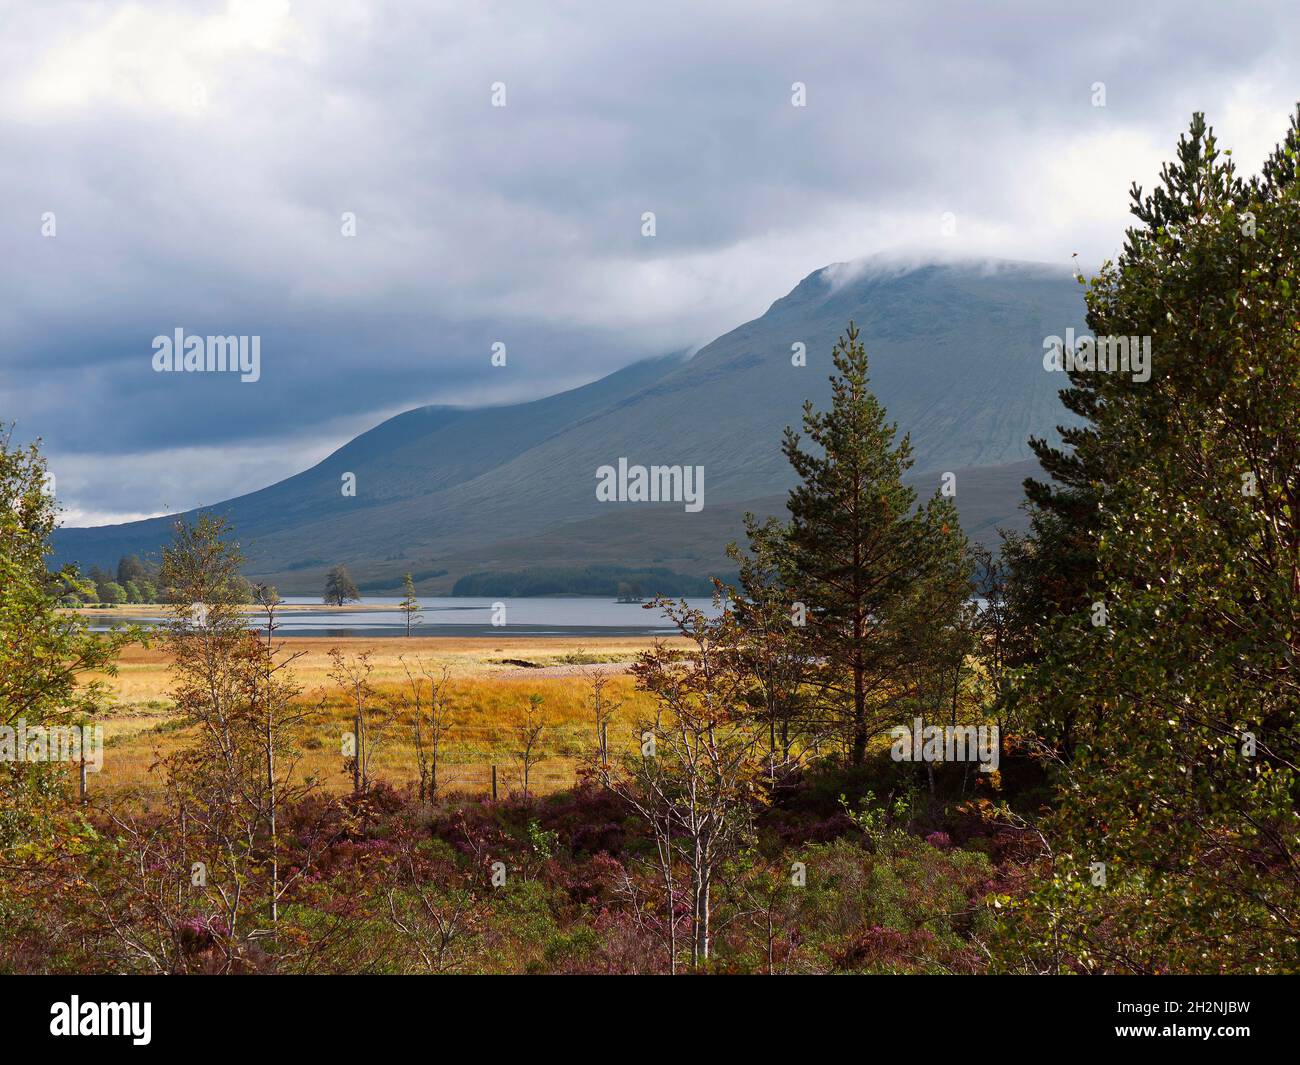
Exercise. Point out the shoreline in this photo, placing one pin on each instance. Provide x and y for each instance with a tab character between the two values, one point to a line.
149	610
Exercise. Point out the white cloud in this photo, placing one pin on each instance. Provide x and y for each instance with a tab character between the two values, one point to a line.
152	58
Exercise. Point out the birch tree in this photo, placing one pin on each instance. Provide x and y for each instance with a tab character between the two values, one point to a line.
238	695
427	696
695	780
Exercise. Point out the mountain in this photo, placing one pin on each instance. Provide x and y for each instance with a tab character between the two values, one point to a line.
955	352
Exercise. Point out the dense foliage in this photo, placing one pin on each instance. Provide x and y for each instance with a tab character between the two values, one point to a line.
1167	694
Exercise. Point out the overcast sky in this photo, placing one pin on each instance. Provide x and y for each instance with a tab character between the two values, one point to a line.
198	159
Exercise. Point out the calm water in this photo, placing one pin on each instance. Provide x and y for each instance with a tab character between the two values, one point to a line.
573	616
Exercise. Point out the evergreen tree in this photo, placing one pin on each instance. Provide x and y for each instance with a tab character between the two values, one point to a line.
339	587
410	605
101	580
772	645
862	558
1176	676
130	568
1201	178
1053	571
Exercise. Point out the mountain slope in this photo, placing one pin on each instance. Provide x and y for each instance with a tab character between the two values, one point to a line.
412	454
955	355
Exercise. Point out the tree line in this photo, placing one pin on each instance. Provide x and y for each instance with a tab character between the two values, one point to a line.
133	581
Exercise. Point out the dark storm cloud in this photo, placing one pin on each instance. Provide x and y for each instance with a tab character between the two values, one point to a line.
198	158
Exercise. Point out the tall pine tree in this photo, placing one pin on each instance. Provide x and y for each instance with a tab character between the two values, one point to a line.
1178	678
1053	572
862	558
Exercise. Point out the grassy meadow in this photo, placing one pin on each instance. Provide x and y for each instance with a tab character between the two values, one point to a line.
491	680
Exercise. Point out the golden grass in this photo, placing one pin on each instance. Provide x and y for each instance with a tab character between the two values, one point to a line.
488	697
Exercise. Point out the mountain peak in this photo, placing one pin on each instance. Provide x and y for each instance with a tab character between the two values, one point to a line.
956	358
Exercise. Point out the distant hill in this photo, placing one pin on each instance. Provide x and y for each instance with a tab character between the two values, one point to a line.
955	354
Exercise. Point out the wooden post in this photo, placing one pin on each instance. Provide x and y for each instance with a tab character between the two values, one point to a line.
494	783
83	763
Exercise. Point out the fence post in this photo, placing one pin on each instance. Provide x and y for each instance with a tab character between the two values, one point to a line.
494	783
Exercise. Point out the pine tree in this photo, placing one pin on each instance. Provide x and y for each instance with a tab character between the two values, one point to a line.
1178	679
772	646
410	605
339	587
131	569
862	558
1053	571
